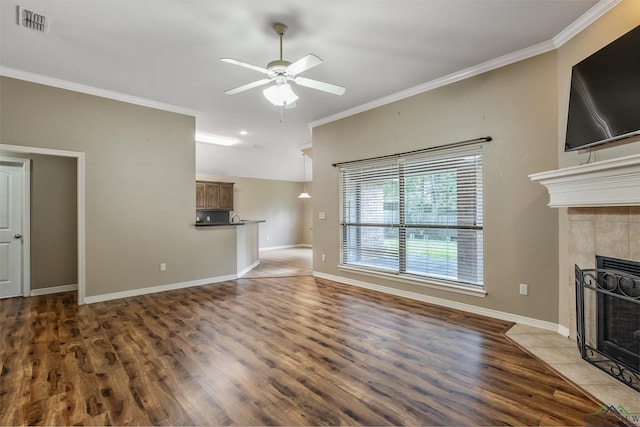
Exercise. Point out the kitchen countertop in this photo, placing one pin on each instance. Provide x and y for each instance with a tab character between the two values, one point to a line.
222	224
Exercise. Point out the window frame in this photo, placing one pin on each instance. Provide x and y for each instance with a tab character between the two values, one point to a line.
400	273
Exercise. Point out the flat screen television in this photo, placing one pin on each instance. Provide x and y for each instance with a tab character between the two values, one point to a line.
604	102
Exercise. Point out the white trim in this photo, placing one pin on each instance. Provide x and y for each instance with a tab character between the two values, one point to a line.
510	317
25	287
82	266
38	150
26	229
441	81
563	330
614	182
53	290
588	18
90	90
426	282
275	248
80	171
248	269
565	35
156	289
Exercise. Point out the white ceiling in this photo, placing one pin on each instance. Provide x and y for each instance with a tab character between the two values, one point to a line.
168	52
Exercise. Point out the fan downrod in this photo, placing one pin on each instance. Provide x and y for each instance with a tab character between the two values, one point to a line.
279	65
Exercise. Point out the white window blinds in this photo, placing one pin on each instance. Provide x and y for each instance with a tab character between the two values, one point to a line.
416	215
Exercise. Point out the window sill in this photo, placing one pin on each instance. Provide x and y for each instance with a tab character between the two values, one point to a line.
427	283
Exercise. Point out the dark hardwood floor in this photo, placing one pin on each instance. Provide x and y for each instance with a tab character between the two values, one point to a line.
278	351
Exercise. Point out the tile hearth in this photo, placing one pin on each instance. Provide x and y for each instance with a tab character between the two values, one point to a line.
562	355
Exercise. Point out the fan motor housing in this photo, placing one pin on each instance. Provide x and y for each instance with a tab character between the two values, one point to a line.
278	67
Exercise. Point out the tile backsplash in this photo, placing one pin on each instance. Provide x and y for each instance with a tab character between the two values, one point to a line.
204	217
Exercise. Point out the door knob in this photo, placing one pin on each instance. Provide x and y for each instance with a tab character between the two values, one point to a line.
17	236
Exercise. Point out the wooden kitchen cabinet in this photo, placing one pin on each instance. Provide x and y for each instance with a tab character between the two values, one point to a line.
214	196
200	195
226	196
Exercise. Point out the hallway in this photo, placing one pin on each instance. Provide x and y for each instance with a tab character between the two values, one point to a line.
283	263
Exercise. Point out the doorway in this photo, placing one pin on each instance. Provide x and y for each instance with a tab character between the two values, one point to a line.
80	205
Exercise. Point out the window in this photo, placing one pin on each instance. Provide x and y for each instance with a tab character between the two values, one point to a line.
415	215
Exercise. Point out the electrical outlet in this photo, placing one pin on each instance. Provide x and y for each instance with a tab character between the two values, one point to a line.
524	289
324	257
163	266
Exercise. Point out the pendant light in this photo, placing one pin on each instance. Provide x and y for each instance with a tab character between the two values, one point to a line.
304	194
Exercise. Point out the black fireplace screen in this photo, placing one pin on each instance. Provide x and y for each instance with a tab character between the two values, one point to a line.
608	318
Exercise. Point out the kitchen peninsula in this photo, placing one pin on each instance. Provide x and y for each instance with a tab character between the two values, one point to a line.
214	208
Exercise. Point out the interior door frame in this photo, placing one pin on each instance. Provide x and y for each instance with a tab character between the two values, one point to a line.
80	166
25	164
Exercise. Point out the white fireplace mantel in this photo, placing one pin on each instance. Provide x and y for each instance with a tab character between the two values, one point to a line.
606	183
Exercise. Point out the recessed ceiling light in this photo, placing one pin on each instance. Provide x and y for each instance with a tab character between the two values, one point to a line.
243	132
215	139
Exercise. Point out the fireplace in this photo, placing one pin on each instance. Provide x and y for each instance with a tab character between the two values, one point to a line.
603	218
608	317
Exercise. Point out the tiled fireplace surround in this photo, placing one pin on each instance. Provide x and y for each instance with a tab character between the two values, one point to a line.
606	231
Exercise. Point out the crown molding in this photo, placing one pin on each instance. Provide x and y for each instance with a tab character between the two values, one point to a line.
442	81
593	14
588	18
90	90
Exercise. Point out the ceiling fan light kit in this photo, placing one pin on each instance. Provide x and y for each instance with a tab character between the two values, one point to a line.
281	72
280	94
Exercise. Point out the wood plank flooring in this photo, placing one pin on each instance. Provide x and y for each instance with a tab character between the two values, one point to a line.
273	351
287	262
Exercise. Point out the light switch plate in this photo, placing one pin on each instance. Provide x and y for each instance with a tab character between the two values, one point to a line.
322	215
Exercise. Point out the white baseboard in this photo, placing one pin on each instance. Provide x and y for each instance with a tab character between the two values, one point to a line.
53	290
155	289
563	330
274	248
248	269
510	317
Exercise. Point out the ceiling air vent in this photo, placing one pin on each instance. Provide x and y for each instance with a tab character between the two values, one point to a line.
32	20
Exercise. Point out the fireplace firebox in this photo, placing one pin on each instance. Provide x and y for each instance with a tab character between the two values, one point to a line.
608	317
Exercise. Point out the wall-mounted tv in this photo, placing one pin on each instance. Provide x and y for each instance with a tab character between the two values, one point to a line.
604	102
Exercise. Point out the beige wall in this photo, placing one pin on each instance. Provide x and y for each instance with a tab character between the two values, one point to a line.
615	23
140	198
54	249
248	252
517	106
54	237
274	201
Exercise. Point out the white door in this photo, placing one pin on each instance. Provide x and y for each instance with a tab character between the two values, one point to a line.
11	193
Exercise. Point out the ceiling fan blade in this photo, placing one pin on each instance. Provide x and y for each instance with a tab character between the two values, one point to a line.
303	64
315	84
245	65
247	86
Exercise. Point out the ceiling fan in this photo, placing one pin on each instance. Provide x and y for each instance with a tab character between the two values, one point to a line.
281	72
